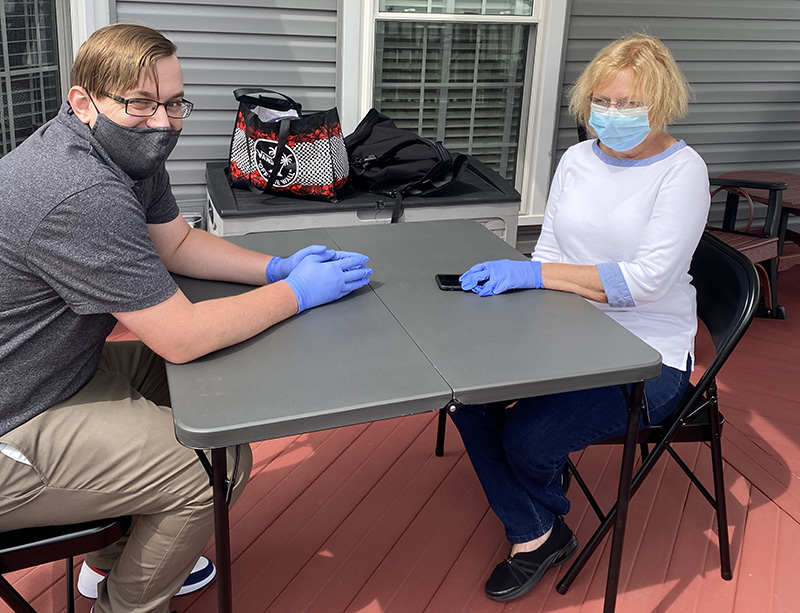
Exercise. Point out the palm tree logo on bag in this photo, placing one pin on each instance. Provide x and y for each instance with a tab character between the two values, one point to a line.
265	160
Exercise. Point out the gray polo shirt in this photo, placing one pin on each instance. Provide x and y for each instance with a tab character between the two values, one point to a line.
74	248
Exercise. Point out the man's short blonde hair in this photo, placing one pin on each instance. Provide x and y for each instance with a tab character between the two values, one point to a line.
656	77
112	58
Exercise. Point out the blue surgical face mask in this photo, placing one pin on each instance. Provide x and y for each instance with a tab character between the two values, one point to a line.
620	130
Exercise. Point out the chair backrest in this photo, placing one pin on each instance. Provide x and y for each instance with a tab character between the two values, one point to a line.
727	296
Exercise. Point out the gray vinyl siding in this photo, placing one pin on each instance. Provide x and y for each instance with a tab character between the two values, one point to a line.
742	58
286	45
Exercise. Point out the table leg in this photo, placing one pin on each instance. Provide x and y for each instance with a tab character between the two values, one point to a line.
440	432
222	536
623	495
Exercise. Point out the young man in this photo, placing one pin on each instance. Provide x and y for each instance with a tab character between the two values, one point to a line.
89	235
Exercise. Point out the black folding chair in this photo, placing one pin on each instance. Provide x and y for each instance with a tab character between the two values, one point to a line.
34	546
727	297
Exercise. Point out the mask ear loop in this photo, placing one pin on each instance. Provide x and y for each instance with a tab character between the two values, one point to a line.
93	104
88	95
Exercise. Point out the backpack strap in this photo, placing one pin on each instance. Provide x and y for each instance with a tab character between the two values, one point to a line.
244	94
398	210
283	135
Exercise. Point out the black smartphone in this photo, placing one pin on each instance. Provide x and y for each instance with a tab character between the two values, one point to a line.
448	282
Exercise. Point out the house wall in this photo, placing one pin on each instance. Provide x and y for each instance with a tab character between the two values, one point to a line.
286	45
741	57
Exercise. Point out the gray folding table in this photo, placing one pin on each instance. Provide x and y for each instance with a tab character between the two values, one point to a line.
397	347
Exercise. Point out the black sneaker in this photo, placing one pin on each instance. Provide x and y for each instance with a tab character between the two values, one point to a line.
517	575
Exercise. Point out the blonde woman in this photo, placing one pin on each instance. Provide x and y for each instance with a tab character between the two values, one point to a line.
623	218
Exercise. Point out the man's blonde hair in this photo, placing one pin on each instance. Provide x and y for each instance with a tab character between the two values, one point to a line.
114	57
656	78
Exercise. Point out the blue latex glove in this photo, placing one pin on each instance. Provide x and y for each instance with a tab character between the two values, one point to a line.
316	281
501	276
340	255
279	268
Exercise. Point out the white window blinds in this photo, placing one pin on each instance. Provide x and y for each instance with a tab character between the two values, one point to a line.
459	83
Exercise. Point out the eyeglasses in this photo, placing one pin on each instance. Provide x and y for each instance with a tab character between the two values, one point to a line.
622	105
144	107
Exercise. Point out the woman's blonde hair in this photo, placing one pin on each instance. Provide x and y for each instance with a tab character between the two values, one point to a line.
656	78
113	58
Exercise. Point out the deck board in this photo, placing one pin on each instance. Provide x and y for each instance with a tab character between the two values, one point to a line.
365	519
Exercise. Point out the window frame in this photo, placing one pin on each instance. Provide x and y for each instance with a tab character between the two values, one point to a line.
62	50
65	47
86	16
75	21
537	142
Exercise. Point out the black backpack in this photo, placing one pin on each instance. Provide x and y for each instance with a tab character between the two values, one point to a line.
395	162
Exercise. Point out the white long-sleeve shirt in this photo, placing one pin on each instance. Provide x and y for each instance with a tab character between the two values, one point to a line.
639	222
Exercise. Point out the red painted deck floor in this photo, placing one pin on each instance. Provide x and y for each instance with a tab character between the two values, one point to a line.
366	519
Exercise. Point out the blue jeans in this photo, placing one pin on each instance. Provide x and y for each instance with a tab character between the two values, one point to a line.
520	452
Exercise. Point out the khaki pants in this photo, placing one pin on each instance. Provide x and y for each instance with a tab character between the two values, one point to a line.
111	450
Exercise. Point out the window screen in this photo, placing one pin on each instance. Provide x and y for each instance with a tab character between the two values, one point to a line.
459	83
29	75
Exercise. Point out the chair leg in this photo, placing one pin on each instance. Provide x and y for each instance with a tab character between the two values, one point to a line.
566	475
607	519
571	472
70	586
771	266
763	279
720	504
13	599
770	290
440	432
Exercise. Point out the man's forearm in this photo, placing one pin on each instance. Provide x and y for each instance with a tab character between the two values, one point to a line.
205	256
180	331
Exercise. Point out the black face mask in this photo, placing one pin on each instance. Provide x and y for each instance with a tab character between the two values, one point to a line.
139	152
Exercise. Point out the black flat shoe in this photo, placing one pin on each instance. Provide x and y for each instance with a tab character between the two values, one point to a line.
517	575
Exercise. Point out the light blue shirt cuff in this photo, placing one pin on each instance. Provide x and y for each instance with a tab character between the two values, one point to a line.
617	292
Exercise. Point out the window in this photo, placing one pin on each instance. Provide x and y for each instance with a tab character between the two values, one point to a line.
30	82
482	76
459	83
